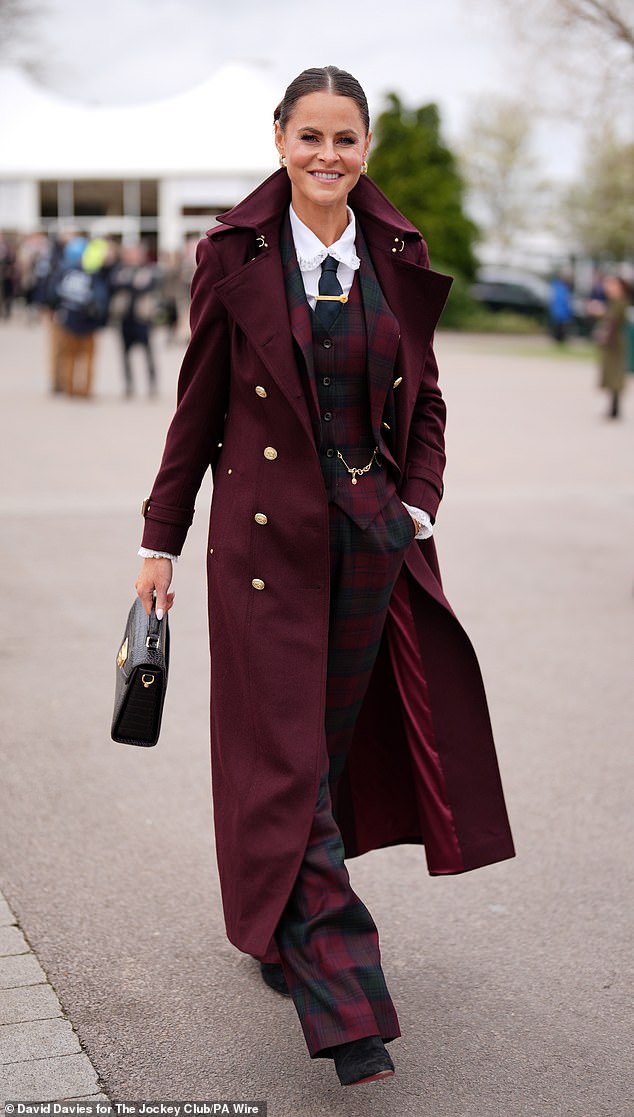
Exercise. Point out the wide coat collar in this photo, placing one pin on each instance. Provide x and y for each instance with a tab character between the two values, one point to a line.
255	294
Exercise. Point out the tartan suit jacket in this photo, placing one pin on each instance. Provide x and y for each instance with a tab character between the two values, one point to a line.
242	409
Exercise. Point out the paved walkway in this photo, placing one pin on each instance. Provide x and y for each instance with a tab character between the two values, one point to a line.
513	984
40	1055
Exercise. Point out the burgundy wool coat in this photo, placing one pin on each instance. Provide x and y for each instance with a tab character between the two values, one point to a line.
242	409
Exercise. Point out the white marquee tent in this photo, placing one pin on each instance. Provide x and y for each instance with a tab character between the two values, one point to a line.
201	150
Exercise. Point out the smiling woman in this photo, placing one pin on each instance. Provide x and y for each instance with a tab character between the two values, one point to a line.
347	710
323	140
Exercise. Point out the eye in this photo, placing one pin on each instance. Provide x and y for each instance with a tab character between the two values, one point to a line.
349	141
307	137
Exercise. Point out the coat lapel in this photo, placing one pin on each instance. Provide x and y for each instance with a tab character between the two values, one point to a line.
383	336
417	293
300	317
255	296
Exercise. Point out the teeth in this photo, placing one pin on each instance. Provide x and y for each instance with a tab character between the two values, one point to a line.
324	174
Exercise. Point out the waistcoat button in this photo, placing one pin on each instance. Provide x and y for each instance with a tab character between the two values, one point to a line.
326	381
327	343
270	453
330	453
327	416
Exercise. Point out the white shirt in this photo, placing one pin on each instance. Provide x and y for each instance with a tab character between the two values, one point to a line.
311	254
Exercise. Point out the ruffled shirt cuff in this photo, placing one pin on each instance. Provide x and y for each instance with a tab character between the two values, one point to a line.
146	552
427	528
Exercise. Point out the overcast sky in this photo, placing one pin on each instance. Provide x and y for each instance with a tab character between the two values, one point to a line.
114	51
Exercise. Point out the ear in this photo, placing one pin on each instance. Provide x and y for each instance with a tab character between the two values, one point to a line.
368	141
279	138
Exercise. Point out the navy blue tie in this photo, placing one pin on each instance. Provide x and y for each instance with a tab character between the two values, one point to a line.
327	311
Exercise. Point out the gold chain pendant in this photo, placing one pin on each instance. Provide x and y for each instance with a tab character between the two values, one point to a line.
354	470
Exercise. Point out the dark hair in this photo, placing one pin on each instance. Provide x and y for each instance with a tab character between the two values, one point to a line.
321	79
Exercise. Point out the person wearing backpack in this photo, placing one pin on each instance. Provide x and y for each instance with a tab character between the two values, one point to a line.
82	294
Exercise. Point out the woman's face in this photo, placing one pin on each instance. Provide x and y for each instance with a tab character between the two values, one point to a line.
324	143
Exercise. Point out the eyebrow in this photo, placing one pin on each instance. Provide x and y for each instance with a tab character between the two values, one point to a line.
312	128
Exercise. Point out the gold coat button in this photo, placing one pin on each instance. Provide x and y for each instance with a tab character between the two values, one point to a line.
260	518
261	392
399	380
257	584
270	453
387	426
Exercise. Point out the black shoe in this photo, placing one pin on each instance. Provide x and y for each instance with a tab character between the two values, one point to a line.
362	1060
273	976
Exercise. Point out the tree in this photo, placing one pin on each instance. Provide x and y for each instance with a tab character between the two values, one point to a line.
501	172
611	18
600	209
411	163
579	54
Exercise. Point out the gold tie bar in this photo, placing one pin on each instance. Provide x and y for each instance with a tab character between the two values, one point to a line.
331	298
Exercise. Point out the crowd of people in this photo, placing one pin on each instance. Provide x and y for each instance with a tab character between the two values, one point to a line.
80	285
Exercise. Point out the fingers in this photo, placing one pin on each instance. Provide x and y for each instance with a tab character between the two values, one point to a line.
161	610
147	596
154	578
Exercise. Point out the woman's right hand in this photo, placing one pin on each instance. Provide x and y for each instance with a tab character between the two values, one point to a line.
155	576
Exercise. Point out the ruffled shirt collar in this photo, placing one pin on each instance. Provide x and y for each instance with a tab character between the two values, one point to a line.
310	251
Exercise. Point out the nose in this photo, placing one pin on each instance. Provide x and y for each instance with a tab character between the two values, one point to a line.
328	153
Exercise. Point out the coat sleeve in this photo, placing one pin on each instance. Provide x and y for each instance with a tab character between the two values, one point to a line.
202	401
425	459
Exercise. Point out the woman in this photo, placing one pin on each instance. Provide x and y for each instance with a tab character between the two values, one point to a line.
612	342
347	705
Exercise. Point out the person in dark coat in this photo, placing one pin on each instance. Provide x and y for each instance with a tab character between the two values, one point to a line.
135	283
347	707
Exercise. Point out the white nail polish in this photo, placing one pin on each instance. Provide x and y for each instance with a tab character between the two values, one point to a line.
159	614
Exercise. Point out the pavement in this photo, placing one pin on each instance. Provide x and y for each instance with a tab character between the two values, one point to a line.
514	983
40	1054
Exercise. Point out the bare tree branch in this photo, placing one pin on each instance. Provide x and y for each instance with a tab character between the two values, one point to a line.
603	15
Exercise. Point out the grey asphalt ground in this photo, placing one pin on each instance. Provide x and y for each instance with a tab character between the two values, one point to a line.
514	983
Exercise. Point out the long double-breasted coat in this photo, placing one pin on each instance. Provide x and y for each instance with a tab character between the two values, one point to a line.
242	409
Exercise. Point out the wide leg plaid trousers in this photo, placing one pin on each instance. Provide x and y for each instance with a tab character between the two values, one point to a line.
327	940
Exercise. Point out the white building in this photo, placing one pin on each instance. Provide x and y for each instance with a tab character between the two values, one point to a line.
160	170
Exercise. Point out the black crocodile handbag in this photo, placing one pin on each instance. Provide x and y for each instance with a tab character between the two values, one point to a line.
142	664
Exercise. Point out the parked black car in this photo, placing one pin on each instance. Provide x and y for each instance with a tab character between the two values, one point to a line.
524	293
516	291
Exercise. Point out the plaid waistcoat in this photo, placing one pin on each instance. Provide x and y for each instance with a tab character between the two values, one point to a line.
334	366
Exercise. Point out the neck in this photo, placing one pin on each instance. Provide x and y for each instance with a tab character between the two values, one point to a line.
327	224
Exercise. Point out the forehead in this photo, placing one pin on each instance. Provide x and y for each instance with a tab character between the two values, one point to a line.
327	112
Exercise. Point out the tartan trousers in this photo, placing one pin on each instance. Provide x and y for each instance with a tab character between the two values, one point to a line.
326	938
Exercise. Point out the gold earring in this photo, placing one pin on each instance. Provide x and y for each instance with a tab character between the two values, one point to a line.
282	160
364	168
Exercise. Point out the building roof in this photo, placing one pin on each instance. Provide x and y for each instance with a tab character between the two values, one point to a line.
222	126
